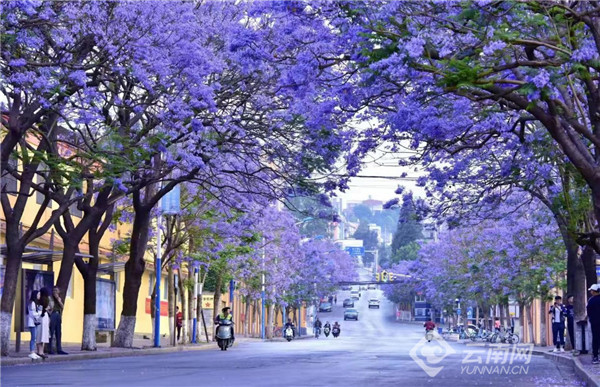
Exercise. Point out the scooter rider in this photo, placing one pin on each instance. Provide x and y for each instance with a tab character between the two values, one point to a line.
225	315
327	327
318	325
290	324
429	326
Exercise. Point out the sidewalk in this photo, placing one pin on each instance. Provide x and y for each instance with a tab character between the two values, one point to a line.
582	364
141	347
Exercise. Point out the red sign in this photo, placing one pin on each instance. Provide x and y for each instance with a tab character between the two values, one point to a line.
164	307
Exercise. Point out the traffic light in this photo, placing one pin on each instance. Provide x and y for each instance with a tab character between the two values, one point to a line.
384	276
390	276
377	277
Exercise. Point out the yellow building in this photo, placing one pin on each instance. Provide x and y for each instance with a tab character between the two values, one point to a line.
44	254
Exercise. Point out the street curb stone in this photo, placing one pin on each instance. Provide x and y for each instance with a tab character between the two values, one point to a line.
580	371
119	352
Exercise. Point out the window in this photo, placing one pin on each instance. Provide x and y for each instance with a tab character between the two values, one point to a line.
9	181
73	207
70	288
164	289
419	298
41	172
150	284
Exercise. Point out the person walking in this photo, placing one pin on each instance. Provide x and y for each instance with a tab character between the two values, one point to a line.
34	319
57	307
558	313
43	330
178	321
335	299
593	313
571	320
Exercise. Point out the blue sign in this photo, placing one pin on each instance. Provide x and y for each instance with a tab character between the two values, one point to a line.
355	250
458	311
170	202
470	312
598	270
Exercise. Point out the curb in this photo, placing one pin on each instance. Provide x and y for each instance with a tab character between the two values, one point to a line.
121	352
579	369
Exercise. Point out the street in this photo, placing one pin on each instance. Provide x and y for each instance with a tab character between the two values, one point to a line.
375	350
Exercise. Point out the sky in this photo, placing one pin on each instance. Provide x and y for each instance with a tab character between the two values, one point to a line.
381	176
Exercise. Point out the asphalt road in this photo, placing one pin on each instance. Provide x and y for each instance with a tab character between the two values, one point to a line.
373	351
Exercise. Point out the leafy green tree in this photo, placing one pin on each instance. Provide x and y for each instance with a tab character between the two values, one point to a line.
409	228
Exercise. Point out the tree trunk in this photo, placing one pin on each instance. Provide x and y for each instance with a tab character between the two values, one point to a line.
13	259
543	323
522	319
184	307
486	316
88	272
530	322
134	270
576	277
217	303
271	321
172	303
588	259
247	316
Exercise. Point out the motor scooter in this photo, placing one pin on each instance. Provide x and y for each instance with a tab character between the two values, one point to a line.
225	334
288	334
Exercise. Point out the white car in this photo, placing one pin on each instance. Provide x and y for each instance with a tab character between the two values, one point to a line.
373	303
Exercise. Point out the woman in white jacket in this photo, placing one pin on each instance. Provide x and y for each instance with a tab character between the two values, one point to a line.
34	311
43	330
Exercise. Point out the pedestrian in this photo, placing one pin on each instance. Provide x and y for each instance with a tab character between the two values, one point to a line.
34	319
571	319
335	299
178	321
57	307
558	312
43	330
497	324
593	314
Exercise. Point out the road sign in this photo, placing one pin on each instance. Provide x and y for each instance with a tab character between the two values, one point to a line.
170	202
458	311
355	250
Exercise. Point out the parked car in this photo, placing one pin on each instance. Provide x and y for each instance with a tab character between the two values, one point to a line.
373	303
325	307
351	314
346	287
372	287
362	288
348	303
